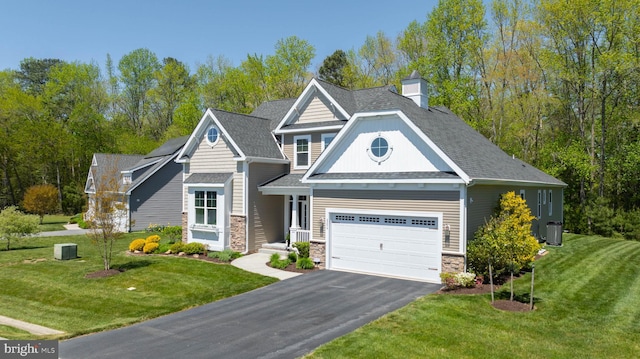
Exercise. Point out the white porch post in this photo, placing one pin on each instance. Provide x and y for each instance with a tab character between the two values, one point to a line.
294	220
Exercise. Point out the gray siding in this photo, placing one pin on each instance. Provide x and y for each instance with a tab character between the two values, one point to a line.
485	201
158	200
266	213
447	202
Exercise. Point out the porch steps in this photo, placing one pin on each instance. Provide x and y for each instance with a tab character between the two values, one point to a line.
270	248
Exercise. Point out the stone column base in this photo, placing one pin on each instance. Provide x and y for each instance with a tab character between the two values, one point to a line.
452	263
185	227
317	249
237	235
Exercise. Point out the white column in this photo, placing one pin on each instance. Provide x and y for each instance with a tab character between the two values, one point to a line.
294	212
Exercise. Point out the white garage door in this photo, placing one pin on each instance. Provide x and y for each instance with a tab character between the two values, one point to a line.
399	246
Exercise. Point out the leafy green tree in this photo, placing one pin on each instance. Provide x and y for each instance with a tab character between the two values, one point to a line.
15	225
34	73
287	69
332	68
137	76
41	199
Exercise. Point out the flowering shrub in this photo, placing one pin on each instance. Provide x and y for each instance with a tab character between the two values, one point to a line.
458	280
137	245
176	247
153	238
150	247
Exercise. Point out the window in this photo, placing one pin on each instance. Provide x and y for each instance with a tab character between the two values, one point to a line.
522	195
379	147
205	205
379	150
544	197
550	203
326	140
302	152
126	179
212	135
539	204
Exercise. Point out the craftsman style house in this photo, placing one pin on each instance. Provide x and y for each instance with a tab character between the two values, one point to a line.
150	186
378	182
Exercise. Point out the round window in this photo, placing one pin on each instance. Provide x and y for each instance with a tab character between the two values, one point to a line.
379	147
212	135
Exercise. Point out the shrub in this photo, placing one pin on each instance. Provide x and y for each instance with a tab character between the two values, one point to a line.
41	199
278	263
164	247
303	249
226	255
154	228
177	247
137	245
193	248
505	240
153	239
293	257
305	263
150	247
456	280
173	232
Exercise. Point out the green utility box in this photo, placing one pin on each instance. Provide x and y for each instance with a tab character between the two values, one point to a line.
65	251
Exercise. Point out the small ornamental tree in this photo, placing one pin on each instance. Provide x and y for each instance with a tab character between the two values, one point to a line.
41	199
107	211
505	241
15	225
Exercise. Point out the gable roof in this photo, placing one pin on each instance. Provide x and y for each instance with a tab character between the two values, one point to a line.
273	110
157	159
248	136
106	165
477	157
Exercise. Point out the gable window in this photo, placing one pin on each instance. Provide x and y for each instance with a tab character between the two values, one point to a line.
326	140
379	149
205	206
213	135
302	151
550	203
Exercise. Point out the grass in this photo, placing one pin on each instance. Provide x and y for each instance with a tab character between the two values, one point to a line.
56	294
587	296
52	222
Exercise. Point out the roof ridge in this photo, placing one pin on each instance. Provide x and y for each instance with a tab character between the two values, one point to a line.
240	114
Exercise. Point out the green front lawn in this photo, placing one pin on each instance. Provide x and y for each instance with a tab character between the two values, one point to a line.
39	289
54	222
587	306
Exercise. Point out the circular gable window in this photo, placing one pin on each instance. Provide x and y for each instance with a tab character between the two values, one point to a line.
379	150
212	135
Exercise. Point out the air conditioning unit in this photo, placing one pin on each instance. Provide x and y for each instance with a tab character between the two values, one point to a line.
554	233
65	251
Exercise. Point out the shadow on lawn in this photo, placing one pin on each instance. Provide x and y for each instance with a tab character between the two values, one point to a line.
133	265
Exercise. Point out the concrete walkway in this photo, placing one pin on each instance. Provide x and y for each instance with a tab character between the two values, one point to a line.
257	263
28	327
70	230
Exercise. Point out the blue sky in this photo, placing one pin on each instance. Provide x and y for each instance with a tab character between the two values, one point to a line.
192	30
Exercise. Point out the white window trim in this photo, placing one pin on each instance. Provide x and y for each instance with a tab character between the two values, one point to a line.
295	151
323	139
522	195
206	135
205	208
550	203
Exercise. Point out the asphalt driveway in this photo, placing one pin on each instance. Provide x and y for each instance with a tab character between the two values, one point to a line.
284	320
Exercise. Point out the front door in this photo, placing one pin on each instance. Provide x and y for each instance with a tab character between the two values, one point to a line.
303	211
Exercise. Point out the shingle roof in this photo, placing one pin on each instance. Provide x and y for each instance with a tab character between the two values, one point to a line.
169	147
110	165
274	110
288	180
208	177
252	134
478	157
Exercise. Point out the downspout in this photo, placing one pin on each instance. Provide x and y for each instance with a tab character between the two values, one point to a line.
466	211
245	205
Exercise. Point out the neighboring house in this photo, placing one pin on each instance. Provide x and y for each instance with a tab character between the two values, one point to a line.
151	185
376	181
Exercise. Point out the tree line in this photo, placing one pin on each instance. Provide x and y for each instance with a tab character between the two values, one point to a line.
552	82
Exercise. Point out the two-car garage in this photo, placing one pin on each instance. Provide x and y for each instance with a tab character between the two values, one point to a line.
399	244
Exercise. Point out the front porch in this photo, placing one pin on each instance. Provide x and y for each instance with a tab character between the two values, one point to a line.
297	206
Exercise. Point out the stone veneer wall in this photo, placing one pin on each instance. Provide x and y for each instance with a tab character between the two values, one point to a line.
238	235
317	249
452	263
185	227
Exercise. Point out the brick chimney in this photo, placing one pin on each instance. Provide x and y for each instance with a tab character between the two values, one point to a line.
415	88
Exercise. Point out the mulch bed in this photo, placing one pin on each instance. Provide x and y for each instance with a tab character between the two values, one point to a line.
512	305
103	273
502	304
